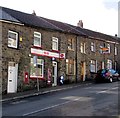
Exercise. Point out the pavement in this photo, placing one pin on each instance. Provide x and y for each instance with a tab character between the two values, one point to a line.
31	93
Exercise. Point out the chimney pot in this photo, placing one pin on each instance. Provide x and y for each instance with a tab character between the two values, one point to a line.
80	24
34	13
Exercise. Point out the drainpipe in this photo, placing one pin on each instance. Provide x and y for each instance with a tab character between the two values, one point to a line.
76	61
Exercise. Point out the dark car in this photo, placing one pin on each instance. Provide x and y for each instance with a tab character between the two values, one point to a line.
108	75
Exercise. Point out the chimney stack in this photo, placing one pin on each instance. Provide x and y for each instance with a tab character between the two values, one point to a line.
80	24
34	13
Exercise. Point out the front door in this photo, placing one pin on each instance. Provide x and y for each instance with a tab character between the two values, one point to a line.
54	74
83	71
12	77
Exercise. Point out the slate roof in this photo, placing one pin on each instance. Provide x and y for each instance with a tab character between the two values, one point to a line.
65	27
5	16
98	35
27	19
36	21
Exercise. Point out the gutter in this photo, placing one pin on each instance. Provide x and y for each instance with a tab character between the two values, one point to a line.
16	23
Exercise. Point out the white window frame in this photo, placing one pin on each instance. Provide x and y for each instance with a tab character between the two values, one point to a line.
37	35
36	67
108	46
92	46
82	47
93	66
12	40
103	64
71	44
116	50
54	43
109	64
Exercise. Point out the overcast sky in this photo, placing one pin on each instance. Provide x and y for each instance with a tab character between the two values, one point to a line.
97	15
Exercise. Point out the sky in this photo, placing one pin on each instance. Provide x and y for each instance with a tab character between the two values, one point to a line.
97	15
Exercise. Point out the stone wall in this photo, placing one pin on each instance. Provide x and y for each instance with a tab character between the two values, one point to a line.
22	55
89	55
0	59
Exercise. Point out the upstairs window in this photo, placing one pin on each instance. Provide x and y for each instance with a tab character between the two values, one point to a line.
92	46
54	43
115	50
37	39
12	39
82	47
105	49
108	46
71	44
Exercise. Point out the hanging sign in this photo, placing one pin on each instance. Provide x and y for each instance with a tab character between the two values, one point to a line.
62	55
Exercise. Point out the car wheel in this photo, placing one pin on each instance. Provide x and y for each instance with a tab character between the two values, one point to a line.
110	80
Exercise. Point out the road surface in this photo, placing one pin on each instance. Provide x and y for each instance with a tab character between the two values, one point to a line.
92	100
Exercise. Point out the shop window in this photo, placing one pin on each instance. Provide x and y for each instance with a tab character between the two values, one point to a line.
37	39
54	43
70	66
12	39
82	47
37	69
92	46
71	44
93	66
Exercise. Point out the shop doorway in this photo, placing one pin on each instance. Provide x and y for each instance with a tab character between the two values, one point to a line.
83	71
54	73
12	77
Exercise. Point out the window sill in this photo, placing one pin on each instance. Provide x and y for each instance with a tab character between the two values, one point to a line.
37	47
56	51
13	47
71	50
83	53
93	51
70	74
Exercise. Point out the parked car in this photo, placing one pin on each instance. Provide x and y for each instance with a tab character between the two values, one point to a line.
108	75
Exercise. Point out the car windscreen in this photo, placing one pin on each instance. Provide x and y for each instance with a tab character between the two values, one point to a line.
112	71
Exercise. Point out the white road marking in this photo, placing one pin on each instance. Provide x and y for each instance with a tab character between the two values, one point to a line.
101	92
18	102
108	91
40	110
77	98
69	98
114	88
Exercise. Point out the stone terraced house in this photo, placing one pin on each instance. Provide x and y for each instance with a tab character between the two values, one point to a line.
39	50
